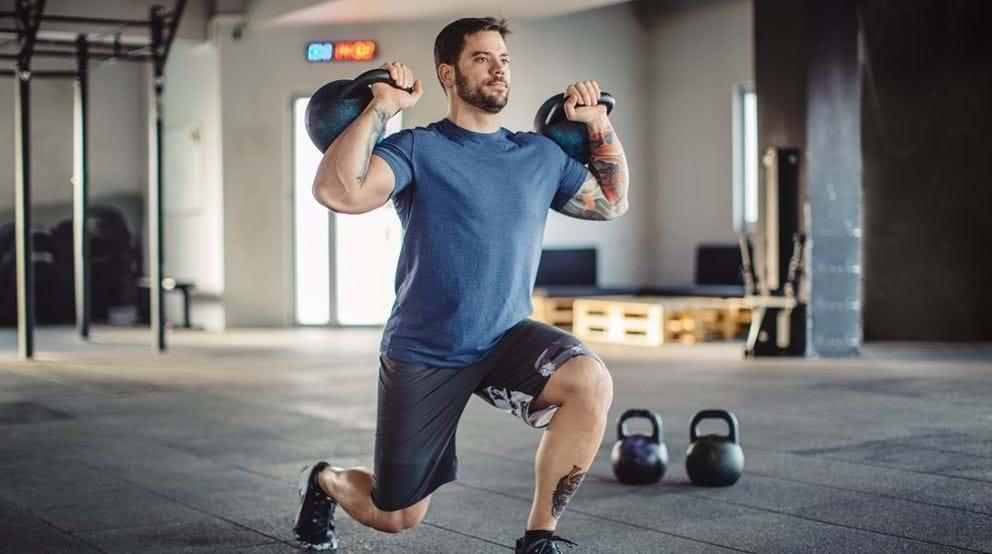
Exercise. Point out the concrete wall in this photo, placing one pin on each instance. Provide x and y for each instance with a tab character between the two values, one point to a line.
265	69
697	55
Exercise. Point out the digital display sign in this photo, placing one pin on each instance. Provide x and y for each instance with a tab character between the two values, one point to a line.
341	51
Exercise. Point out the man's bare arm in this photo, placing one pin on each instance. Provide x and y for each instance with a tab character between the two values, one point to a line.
603	194
340	183
349	179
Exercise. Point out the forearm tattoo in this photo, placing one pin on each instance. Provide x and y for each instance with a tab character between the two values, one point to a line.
607	161
379	119
603	195
567	486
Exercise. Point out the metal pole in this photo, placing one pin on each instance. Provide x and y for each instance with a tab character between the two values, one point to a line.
155	249
81	189
176	16
22	202
22	178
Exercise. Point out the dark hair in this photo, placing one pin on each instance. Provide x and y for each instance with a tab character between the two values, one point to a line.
451	40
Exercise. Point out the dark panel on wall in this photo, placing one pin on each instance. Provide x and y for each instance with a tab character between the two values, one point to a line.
927	144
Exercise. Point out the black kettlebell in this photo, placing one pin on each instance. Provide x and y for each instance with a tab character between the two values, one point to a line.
639	459
571	136
335	105
714	460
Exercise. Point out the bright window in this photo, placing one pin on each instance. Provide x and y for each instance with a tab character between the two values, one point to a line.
365	247
745	152
311	230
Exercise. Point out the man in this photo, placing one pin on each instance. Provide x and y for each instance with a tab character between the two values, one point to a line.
473	199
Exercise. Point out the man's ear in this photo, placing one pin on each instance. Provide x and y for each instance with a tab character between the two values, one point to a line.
446	73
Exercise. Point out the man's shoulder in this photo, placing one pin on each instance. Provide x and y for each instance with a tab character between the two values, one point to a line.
532	138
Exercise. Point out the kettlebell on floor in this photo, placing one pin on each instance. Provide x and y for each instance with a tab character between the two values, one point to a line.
639	459
714	460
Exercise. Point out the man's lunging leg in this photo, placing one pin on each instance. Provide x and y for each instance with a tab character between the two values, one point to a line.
351	488
583	390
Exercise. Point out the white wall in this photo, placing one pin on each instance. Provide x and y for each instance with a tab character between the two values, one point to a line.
697	55
193	207
261	72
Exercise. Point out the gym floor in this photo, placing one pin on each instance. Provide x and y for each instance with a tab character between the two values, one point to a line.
109	447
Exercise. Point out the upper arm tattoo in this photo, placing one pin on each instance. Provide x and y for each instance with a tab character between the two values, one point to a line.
603	194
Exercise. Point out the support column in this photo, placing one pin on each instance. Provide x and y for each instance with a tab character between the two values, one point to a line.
833	176
80	181
22	204
807	75
155	251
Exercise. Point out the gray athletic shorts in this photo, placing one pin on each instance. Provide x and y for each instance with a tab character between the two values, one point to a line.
419	407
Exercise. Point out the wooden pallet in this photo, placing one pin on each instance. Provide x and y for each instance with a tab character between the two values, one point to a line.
653	321
553	311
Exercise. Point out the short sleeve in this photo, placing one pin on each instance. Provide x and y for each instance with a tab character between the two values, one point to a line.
573	174
397	151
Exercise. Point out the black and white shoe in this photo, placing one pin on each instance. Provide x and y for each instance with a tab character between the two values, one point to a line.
548	545
315	522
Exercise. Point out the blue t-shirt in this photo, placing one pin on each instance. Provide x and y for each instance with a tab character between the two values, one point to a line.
473	208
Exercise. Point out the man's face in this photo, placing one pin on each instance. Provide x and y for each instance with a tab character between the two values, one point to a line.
482	74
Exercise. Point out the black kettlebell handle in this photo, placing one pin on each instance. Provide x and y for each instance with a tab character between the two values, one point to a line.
725	415
370	77
654	418
553	109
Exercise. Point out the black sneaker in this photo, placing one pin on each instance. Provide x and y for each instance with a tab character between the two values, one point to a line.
547	545
315	522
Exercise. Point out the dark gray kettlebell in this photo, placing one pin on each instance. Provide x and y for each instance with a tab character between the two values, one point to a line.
571	136
334	106
714	460
639	459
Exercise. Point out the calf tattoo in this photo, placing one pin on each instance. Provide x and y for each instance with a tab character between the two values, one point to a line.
567	486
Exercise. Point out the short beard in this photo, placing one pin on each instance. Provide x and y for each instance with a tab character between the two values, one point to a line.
478	97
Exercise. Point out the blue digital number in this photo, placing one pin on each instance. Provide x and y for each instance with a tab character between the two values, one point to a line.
320	52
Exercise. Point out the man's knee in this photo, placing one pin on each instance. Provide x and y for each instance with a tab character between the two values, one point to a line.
587	379
401	520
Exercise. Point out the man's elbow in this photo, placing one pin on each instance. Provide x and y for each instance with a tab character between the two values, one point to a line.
349	204
618	210
328	200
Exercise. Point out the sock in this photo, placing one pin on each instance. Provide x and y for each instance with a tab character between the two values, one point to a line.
531	536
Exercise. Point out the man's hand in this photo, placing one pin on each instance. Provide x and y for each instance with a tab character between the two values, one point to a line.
582	104
395	99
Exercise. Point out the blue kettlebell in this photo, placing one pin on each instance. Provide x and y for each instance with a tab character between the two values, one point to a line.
334	106
571	136
639	459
